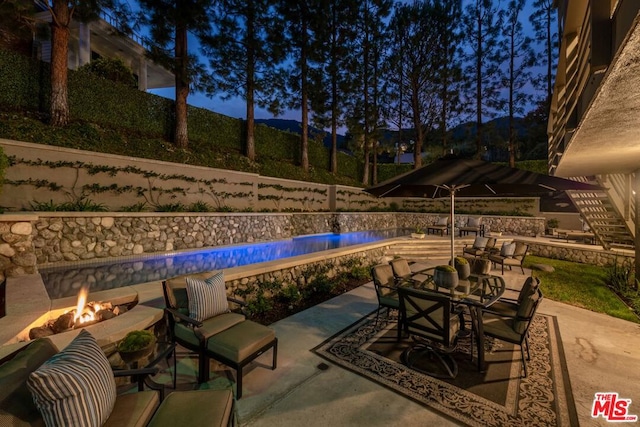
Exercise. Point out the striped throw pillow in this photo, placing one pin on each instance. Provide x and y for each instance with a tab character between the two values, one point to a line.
207	298
75	387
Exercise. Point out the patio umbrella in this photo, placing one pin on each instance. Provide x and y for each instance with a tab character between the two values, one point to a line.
452	176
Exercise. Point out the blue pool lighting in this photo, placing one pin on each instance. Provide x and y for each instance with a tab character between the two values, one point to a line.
65	281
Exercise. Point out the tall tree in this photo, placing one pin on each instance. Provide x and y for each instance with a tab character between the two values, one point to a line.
244	57
448	67
520	60
300	39
542	20
169	22
482	24
331	78
414	54
366	107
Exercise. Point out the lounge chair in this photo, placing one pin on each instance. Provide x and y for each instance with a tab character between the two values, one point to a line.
441	226
211	329
511	254
473	225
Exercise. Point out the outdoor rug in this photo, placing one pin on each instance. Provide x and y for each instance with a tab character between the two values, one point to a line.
498	397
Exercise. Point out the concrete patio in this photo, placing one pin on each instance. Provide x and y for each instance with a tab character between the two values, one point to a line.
601	354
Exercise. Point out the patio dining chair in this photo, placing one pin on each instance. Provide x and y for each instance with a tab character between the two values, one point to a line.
429	318
514	329
402	272
199	318
386	288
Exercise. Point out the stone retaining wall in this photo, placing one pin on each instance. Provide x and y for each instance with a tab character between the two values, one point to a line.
577	254
48	239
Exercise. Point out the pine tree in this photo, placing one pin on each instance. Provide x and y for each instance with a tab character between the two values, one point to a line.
543	19
481	25
244	57
520	60
331	82
169	22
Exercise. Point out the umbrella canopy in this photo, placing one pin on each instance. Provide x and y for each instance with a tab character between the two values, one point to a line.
450	177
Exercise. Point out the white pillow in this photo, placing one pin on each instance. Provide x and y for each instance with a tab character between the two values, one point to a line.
75	387
508	249
480	242
207	298
443	221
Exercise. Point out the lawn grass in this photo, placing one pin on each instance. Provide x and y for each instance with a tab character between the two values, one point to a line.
581	285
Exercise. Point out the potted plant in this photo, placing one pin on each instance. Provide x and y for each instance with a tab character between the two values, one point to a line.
419	233
445	276
552	224
462	267
136	345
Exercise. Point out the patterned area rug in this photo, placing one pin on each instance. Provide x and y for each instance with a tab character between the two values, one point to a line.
498	397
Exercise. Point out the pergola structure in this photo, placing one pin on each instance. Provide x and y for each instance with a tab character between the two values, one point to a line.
594	121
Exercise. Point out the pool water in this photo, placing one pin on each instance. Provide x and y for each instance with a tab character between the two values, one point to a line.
65	281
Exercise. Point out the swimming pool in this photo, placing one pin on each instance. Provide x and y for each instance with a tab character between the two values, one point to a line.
65	281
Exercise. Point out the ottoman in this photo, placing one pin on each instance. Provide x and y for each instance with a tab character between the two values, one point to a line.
241	344
195	408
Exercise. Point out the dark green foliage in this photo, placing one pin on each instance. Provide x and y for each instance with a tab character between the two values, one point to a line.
115	119
200	206
136	340
136	207
113	69
83	204
172	207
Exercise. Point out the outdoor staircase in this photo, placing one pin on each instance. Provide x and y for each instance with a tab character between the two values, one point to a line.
610	214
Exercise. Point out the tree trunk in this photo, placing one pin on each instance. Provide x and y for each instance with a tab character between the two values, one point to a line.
59	108
479	124
304	139
512	142
415	108
334	94
181	136
250	147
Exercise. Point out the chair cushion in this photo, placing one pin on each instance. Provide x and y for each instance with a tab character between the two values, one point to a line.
507	249
212	408
134	409
209	327
240	341
474	222
530	286
519	250
480	242
207	298
500	326
383	275
400	267
15	398
443	220
76	386
525	311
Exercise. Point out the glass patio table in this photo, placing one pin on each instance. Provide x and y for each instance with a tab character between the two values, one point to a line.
477	293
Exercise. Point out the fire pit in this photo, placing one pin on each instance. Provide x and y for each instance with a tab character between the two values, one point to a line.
84	314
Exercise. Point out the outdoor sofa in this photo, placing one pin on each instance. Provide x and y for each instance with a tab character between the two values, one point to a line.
80	390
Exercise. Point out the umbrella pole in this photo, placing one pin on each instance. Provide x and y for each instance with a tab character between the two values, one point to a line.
452	228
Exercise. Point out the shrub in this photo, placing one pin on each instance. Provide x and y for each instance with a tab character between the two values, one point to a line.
113	69
447	268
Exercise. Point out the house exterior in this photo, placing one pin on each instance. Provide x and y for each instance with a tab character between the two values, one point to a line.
99	39
594	120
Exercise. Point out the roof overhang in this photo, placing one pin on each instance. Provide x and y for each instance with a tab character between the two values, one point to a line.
607	140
